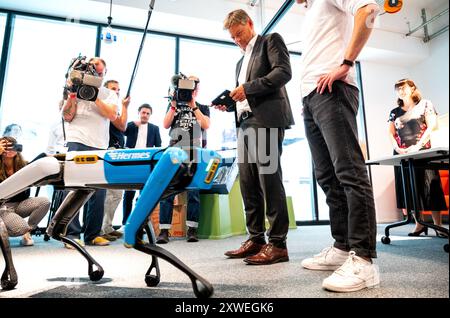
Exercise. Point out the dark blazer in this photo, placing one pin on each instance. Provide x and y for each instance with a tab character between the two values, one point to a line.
153	136
268	71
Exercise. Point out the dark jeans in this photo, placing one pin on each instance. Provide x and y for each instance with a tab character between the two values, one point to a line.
93	213
127	204
261	188
193	208
330	126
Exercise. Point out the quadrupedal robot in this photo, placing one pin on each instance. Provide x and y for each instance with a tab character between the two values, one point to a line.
156	172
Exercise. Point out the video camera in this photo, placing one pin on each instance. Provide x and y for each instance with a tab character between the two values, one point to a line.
84	78
181	88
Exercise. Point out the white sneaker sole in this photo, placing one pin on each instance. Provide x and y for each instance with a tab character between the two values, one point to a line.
370	283
318	267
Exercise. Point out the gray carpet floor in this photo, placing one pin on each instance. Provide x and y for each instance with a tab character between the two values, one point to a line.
409	268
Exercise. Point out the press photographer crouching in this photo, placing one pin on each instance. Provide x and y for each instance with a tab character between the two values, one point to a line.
21	206
188	122
88	111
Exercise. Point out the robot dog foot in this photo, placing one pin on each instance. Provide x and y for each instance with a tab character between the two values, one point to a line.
9	279
202	288
94	275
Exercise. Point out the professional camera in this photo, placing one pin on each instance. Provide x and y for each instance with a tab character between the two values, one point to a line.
182	88
84	78
17	147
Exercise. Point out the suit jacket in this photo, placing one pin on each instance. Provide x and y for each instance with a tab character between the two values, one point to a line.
153	136
268	71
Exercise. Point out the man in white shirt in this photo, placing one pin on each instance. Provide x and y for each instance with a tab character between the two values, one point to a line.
330	104
116	141
88	129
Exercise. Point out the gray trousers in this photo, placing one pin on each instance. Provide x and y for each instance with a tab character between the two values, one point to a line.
13	215
112	201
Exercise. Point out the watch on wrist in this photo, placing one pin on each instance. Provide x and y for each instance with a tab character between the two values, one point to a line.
348	62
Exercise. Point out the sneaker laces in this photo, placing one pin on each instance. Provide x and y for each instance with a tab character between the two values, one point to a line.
324	252
351	266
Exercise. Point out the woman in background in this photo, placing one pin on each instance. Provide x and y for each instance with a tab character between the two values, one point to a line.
410	126
21	205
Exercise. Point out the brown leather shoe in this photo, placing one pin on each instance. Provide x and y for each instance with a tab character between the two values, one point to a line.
269	254
247	248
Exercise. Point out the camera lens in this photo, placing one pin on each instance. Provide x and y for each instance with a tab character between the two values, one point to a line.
87	92
184	95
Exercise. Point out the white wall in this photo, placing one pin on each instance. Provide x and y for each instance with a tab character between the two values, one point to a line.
431	76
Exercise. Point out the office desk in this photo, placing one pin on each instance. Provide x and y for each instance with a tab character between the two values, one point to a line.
435	158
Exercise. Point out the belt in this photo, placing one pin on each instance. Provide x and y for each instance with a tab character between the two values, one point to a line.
245	115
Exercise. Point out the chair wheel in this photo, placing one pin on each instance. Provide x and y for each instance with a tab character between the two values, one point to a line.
446	248
46	237
385	240
151	280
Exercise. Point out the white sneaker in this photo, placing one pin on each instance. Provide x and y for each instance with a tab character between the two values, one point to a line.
27	240
329	259
355	274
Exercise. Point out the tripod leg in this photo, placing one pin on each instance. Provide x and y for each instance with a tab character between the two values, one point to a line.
9	276
58	228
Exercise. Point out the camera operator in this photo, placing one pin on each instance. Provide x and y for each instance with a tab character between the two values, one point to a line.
188	122
88	129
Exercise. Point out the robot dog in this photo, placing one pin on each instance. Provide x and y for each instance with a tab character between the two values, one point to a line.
156	172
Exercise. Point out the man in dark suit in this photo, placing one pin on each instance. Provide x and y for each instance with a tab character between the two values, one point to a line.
140	134
263	112
135	129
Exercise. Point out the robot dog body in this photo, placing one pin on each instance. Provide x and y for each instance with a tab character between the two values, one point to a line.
156	172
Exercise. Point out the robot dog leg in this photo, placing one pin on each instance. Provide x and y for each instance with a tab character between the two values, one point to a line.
57	229
9	276
160	179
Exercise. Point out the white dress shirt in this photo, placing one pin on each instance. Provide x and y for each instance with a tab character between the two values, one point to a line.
244	106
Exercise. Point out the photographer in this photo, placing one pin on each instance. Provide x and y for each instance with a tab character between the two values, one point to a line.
188	122
20	206
88	129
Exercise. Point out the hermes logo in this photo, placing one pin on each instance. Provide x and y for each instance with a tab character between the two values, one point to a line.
129	156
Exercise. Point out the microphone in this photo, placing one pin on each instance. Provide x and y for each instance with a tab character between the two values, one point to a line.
174	80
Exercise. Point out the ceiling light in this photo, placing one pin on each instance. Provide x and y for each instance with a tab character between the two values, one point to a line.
107	35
